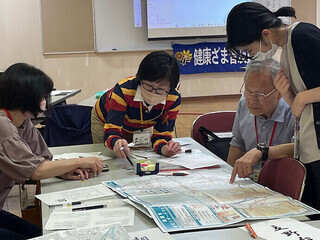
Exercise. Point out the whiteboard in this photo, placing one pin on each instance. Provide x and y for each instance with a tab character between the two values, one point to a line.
115	30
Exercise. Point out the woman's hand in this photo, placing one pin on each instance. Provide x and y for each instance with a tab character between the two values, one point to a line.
93	164
77	174
171	148
117	148
298	105
282	84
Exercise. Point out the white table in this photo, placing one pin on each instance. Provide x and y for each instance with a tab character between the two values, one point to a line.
59	96
115	165
141	221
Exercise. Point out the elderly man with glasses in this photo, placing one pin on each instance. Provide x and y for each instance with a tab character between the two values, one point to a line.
264	126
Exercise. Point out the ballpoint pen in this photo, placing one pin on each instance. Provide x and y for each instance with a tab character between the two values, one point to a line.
122	148
173	174
131	144
250	230
87	208
66	204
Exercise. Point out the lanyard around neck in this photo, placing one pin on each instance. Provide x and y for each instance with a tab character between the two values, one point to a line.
272	134
8	114
141	114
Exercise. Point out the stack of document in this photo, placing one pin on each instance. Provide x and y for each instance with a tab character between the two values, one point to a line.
78	208
114	231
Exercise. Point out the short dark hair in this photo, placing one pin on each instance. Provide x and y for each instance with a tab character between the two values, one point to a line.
22	87
159	66
246	21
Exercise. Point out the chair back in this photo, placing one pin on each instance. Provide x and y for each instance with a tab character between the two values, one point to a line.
284	175
221	121
68	124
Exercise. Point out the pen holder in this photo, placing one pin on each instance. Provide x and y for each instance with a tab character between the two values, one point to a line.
146	166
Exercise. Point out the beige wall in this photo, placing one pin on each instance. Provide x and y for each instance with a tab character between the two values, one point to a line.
20	41
318	12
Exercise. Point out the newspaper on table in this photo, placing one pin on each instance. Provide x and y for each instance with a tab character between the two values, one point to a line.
205	199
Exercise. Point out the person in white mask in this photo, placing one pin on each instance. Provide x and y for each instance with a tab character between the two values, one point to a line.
141	109
252	29
266	55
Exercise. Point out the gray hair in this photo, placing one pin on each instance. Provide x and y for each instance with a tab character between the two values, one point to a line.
261	65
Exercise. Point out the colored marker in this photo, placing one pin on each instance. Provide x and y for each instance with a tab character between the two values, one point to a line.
250	230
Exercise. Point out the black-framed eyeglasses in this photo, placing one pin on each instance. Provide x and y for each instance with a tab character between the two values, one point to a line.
159	91
260	96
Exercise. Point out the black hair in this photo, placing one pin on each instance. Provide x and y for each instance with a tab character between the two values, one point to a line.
245	23
22	87
159	66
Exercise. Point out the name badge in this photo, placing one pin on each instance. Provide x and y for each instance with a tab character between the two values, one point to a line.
142	138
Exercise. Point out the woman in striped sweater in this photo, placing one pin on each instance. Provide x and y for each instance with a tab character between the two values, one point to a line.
149	99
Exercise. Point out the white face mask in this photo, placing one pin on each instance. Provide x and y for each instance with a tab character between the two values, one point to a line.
152	98
261	55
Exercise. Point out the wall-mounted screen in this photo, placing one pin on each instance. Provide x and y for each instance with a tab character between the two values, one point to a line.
188	18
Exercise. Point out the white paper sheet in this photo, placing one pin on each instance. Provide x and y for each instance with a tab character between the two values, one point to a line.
112	203
74	195
60	92
285	229
192	160
182	142
151	234
224	134
79	155
107	232
90	218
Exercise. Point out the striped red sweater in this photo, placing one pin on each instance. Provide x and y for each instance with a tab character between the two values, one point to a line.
121	114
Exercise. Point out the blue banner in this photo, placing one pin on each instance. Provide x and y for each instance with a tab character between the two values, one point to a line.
205	57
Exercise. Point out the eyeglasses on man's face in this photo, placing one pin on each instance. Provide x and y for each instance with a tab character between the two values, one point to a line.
260	96
159	91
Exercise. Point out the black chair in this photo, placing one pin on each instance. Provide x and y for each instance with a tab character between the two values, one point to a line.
68	124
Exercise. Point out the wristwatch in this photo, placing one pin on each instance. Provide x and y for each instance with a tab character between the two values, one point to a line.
264	148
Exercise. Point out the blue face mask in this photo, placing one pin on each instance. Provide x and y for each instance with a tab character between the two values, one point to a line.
261	55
